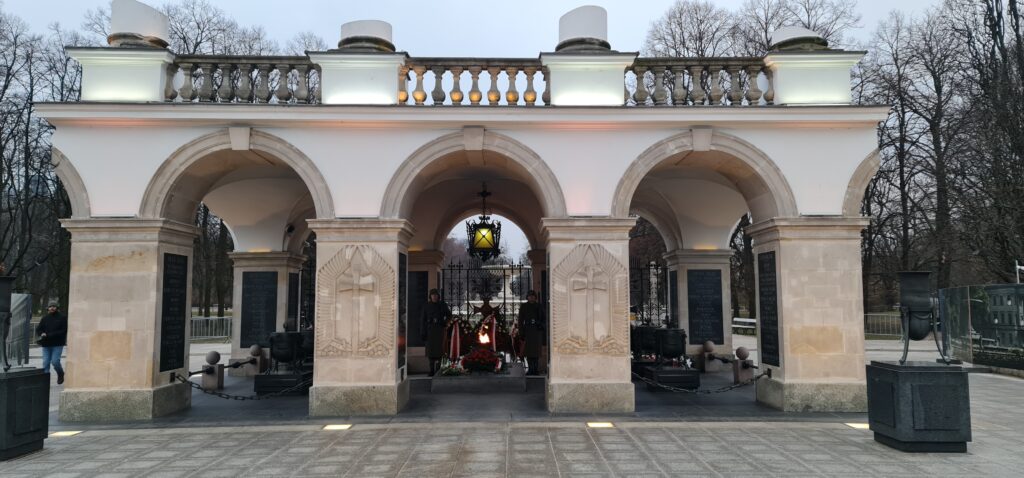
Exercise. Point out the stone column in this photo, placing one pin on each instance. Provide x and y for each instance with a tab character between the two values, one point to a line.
810	311
538	264
701	265
253	272
128	326
356	370
589	326
431	263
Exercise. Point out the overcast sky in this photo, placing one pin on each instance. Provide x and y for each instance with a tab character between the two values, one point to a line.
485	28
513	28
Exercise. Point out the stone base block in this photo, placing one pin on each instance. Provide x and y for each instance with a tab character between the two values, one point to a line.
345	400
590	397
124	405
813	397
478	383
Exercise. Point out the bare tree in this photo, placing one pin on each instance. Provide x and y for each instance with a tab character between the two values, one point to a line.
829	18
694	28
305	41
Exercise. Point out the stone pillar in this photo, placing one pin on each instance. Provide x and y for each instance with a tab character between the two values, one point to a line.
254	271
357	370
810	311
128	326
538	264
589	326
430	262
701	265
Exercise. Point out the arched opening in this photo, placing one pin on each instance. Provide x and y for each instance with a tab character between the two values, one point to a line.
699	202
437	192
251	263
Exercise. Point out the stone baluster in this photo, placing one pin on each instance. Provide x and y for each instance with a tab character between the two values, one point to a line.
512	95
317	96
244	92
403	84
456	93
263	87
169	92
419	95
753	92
302	83
187	92
206	90
284	95
660	92
715	79
641	95
697	85
546	96
735	87
530	95
769	96
678	85
493	95
474	92
225	92
438	93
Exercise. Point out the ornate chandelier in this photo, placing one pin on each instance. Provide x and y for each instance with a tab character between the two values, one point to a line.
484	235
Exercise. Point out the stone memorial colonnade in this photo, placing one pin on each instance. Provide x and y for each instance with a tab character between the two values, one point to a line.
351	154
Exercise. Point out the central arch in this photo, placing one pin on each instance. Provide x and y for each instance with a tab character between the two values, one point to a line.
403	188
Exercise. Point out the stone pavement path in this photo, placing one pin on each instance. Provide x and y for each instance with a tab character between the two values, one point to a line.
510	449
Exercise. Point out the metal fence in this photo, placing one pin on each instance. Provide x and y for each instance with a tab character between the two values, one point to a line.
985	324
883	325
211	327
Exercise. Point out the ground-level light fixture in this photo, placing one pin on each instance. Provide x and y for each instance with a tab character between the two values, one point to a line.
484	235
859	426
345	426
600	425
64	434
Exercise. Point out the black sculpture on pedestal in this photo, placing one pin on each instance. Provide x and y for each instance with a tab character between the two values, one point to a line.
24	393
919	406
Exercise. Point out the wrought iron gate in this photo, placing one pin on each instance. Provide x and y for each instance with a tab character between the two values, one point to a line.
649	294
464	288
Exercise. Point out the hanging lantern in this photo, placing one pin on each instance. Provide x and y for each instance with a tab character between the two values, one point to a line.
484	235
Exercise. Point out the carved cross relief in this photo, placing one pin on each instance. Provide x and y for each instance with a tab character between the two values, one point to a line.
590	302
355	305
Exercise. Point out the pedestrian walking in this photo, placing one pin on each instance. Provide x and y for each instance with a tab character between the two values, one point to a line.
53	336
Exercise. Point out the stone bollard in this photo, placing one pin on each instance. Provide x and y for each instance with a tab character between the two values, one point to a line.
742	367
259	365
213	372
709	364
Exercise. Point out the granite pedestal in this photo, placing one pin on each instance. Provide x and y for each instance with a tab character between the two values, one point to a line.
24	411
919	406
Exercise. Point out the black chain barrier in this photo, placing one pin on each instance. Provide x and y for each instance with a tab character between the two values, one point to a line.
670	388
228	396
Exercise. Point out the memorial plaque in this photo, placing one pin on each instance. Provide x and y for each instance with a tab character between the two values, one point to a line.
673	298
768	304
174	312
403	309
704	304
259	308
418	289
293	298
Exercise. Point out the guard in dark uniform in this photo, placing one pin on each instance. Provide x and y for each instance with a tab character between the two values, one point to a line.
433	319
533	330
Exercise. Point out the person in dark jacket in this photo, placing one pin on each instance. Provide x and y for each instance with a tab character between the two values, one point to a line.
433	319
532	328
53	336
